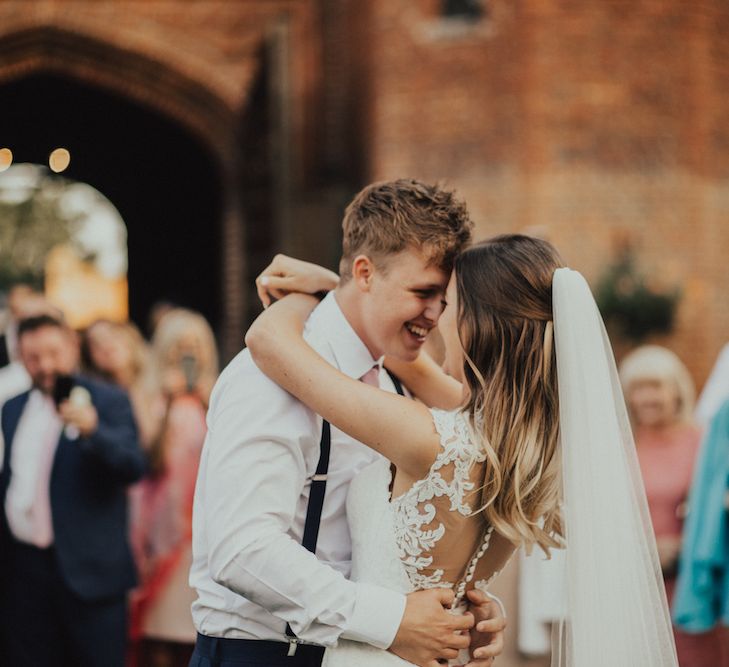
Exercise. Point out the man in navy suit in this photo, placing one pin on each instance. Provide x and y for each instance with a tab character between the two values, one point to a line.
66	562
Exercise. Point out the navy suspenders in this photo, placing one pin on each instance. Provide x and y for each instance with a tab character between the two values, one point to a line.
316	496
396	382
317	491
314	508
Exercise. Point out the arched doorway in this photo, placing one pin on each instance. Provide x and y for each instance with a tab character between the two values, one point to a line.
165	183
65	237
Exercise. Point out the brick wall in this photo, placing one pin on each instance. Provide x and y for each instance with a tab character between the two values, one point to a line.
589	122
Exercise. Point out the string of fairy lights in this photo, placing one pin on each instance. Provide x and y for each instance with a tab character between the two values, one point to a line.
58	160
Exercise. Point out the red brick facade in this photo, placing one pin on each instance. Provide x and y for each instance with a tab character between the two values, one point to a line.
589	122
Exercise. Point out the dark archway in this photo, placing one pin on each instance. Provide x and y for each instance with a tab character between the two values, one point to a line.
165	183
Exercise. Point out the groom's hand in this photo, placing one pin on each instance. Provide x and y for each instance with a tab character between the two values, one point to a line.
487	637
428	633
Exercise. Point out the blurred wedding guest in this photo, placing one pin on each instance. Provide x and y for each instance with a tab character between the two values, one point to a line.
118	353
18	295
716	389
23	302
158	310
66	562
185	352
659	393
702	591
542	600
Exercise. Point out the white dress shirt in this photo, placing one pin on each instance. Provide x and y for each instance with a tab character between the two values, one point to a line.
14	380
251	573
27	504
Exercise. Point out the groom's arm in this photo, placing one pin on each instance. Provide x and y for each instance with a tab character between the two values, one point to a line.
255	474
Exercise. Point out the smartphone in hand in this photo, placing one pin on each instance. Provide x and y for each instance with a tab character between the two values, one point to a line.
190	370
62	388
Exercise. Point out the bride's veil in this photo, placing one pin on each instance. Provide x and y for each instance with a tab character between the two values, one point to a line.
617	615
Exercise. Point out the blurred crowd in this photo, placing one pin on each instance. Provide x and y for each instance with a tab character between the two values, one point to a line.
145	467
660	396
682	448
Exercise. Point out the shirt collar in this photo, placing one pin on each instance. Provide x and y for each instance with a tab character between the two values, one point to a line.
350	353
38	400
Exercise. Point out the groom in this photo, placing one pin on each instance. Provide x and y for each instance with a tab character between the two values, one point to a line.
263	596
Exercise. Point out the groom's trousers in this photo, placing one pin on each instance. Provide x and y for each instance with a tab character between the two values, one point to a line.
220	652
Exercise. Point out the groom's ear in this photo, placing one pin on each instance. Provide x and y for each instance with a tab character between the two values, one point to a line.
363	271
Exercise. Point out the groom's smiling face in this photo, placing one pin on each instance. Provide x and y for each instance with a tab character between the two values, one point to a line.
403	300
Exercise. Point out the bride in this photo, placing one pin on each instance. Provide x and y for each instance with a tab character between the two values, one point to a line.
524	442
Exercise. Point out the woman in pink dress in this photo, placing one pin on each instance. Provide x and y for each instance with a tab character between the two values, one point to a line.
660	396
186	357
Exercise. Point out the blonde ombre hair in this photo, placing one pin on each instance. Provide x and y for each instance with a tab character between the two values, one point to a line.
505	326
653	363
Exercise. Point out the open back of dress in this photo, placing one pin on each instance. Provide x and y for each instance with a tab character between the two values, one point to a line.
429	536
442	537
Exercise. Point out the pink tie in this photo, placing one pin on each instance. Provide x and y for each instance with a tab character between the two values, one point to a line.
372	376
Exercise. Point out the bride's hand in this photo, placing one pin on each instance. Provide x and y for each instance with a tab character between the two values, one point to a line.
286	274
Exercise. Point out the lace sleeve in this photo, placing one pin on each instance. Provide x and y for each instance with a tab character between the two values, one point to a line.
451	470
436	531
458	463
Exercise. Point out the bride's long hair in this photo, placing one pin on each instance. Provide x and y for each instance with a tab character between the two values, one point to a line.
506	330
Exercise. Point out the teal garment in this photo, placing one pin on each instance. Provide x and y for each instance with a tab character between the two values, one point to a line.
702	590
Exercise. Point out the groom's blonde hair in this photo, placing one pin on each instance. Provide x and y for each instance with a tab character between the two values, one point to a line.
387	217
505	327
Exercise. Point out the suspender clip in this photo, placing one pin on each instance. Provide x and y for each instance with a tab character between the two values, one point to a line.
293	644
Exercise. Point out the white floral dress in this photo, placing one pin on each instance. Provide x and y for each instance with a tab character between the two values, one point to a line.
428	537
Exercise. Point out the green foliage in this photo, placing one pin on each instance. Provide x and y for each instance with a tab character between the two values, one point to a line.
29	229
631	305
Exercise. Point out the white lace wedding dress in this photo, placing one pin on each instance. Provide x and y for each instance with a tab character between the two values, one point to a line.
425	538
